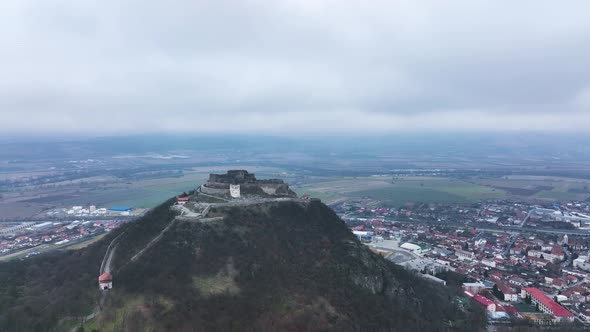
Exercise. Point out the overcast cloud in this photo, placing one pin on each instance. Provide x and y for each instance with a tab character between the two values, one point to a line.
125	66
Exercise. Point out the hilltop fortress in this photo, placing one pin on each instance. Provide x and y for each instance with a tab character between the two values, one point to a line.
236	183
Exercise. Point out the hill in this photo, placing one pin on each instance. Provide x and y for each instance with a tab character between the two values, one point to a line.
274	266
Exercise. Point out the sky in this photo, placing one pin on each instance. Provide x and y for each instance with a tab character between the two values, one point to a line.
293	67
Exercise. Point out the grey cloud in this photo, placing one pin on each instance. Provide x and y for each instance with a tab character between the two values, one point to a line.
306	66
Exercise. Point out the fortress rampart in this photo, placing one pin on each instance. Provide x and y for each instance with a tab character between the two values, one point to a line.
218	184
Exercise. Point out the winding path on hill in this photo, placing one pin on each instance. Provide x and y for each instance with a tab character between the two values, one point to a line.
106	265
152	242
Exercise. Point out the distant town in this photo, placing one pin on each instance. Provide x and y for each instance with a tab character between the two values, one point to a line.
61	228
519	261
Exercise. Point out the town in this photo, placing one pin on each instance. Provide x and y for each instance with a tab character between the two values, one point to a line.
61	228
519	261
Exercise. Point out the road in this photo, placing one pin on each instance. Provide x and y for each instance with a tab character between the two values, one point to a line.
62	219
528	215
507	251
490	228
43	248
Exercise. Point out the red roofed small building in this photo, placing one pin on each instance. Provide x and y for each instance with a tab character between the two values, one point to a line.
558	283
105	281
181	200
547	305
487	303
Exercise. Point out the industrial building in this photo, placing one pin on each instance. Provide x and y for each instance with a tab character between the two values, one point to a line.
410	246
120	208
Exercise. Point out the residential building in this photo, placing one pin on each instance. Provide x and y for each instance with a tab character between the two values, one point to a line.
464	255
547	305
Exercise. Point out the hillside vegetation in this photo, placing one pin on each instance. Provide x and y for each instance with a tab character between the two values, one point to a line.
277	266
44	292
285	266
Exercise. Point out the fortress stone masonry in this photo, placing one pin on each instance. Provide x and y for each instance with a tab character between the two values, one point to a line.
243	183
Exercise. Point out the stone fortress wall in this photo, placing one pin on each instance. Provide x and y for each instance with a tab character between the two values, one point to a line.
215	191
232	177
219	184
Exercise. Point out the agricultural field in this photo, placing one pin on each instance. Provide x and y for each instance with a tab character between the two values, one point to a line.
399	191
549	188
431	190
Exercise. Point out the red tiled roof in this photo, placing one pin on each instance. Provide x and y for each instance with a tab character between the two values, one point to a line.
557	251
504	288
485	301
510	309
105	277
549	303
182	199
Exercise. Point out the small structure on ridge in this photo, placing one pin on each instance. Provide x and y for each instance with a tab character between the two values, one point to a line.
105	281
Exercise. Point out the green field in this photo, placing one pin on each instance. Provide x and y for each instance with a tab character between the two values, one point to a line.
402	190
540	187
140	194
398	191
430	190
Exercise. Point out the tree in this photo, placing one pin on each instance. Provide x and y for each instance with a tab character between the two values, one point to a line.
527	299
497	292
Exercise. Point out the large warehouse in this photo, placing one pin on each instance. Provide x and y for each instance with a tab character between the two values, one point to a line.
410	246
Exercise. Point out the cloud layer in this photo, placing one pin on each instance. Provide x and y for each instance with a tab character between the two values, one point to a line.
128	66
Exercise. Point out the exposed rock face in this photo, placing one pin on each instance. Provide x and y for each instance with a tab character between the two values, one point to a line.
219	184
